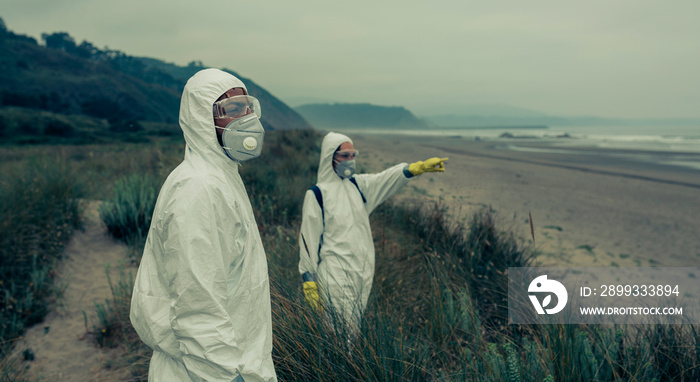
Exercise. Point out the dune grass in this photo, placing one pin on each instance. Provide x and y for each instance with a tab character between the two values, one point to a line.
128	215
437	311
39	209
437	308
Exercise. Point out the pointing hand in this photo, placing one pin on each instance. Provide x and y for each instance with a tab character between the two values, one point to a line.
429	165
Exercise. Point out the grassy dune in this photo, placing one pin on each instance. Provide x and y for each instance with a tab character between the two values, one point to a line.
438	305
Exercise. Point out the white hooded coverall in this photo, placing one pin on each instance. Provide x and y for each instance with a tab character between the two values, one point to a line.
343	267
201	298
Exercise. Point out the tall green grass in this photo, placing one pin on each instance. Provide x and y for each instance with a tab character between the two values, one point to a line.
114	330
437	311
98	167
39	209
477	253
127	215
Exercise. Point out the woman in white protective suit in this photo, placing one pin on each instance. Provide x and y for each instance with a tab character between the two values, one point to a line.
201	298
336	258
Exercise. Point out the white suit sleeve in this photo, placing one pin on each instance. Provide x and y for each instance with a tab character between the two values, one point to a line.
310	234
197	274
379	187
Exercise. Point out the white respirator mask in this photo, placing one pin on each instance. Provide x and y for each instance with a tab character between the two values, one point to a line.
242	138
345	169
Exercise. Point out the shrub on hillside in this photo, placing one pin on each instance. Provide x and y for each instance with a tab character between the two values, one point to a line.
124	126
57	128
19	99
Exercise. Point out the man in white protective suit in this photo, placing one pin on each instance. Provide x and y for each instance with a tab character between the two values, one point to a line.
201	298
336	258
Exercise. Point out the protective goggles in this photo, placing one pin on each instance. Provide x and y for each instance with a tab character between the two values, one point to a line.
236	107
346	154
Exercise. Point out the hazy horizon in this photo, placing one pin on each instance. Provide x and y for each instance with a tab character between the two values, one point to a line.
627	59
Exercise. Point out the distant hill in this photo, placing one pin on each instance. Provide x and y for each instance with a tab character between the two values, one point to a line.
74	80
360	115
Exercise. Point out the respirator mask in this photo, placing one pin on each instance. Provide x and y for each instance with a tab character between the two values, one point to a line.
346	168
242	138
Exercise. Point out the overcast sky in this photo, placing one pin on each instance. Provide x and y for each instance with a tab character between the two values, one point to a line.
627	58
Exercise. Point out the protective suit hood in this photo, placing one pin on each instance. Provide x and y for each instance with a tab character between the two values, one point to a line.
196	117
325	166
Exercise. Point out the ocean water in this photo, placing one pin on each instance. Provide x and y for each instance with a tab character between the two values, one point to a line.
666	145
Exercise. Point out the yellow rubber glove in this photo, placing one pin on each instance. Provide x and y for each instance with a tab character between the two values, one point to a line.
429	165
311	295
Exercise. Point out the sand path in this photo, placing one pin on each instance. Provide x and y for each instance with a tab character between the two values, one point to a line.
62	351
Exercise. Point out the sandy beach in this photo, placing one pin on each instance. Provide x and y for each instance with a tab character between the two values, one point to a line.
587	210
